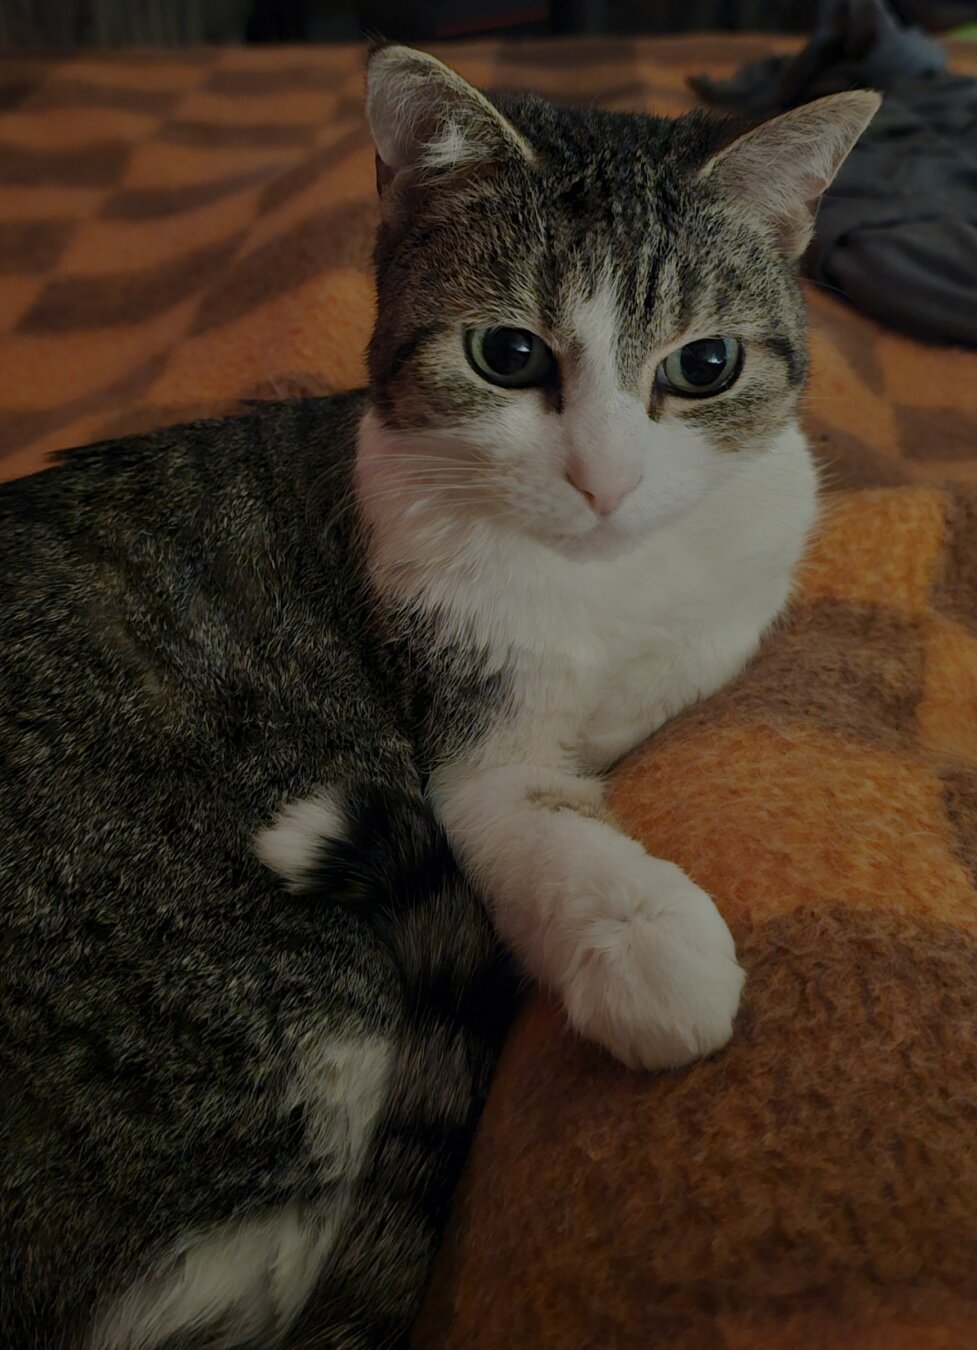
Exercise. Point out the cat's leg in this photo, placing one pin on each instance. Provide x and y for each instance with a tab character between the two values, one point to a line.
639	954
244	1281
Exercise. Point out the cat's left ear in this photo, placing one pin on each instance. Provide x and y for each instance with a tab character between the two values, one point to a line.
776	172
427	120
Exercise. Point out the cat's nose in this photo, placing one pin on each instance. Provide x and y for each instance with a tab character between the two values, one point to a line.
604	493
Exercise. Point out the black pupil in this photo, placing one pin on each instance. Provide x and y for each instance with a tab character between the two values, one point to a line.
703	362
507	350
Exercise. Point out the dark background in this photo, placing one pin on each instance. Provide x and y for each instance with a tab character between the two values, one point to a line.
57	24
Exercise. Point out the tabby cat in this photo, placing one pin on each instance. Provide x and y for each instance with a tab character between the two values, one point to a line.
257	674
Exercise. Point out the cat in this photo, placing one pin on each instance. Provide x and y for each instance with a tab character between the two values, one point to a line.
290	700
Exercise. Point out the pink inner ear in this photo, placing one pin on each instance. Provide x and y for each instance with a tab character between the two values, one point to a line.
385	175
795	228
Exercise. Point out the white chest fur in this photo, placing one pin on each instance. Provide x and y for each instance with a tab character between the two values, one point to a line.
600	652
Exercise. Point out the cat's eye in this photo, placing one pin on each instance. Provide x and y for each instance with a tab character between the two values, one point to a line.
701	369
511	357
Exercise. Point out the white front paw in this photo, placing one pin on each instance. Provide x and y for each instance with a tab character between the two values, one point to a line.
654	976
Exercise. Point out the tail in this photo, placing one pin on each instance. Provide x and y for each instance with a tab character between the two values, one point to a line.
394	862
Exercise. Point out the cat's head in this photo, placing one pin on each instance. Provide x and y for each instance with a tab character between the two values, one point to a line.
585	317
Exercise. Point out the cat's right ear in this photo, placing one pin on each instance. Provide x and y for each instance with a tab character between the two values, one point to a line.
427	121
777	172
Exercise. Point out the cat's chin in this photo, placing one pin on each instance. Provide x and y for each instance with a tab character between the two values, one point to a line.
605	542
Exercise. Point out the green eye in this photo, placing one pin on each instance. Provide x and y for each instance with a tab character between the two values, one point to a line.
702	369
511	357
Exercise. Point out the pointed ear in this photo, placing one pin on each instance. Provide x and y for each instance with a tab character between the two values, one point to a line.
776	172
425	117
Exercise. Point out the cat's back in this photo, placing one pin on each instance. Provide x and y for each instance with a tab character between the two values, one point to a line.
210	477
173	655
170	671
163	604
177	550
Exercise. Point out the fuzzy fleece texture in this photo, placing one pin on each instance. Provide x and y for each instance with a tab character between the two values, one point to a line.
179	233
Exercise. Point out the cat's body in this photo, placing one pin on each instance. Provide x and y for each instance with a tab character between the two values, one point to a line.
307	642
189	1051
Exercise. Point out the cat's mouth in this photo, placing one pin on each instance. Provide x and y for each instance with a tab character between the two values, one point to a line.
604	539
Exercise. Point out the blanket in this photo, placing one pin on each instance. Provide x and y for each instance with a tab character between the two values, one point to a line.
181	233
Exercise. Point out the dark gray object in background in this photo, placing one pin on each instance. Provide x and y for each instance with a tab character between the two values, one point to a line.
897	232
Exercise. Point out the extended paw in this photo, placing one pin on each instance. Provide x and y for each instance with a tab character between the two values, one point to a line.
654	977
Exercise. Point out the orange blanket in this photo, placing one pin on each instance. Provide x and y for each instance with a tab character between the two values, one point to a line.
178	233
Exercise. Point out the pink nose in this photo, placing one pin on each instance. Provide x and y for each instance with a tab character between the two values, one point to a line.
602	498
